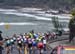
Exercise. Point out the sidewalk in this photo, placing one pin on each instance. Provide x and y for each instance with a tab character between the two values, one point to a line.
63	40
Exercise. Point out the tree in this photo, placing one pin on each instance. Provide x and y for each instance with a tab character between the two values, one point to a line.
55	22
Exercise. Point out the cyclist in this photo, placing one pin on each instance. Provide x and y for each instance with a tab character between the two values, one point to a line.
1	42
8	45
19	43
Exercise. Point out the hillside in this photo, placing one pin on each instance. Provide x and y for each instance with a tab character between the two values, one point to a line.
54	4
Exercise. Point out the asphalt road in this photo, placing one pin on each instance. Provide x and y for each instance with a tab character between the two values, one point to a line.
35	51
14	51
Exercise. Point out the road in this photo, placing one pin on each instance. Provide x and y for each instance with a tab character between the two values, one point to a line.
24	51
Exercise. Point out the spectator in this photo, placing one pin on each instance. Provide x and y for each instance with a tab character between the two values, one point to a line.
60	33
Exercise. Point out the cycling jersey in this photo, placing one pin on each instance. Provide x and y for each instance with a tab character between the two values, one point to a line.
34	43
44	41
12	41
14	38
8	43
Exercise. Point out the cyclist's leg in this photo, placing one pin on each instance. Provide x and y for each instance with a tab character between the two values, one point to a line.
8	50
